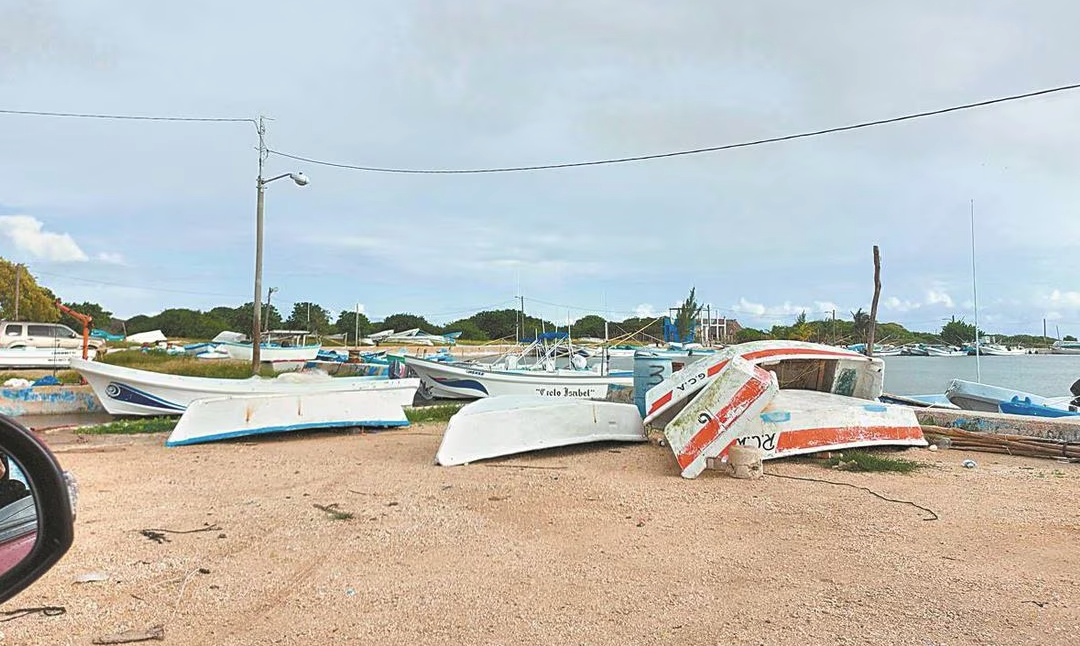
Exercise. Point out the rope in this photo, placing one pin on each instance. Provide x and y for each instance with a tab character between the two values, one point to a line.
866	489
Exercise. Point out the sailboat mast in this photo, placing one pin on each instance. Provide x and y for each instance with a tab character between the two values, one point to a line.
975	296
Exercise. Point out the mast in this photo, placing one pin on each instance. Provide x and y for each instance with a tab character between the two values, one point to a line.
975	296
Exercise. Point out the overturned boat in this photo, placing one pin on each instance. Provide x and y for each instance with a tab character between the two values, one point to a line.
232	416
498	426
782	397
127	391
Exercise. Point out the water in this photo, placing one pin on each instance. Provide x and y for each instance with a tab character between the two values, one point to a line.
1049	375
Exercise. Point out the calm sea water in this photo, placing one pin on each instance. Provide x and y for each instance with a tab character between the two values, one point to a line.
1049	375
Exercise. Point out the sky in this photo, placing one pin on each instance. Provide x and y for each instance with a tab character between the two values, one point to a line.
141	216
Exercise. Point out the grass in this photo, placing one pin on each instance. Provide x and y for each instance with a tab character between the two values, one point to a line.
131	426
159	361
439	413
862	461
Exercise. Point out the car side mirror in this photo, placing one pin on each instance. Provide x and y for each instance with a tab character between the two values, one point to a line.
36	517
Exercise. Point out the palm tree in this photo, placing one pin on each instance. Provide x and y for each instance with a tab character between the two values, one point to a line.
861	329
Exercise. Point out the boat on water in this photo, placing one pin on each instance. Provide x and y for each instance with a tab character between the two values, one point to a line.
281	345
971	395
1018	406
879	350
995	350
765	405
1065	347
943	351
498	426
128	391
231	416
414	336
30	357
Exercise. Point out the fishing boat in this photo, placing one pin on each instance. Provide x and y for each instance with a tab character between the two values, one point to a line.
943	351
743	405
127	391
809	366
1018	406
994	350
970	395
414	336
1065	347
281	345
30	357
879	350
498	426
232	416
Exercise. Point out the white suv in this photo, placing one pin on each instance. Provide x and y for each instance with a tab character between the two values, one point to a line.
17	334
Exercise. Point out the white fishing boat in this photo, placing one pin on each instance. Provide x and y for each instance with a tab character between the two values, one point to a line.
1065	347
498	426
744	405
808	366
281	345
232	416
943	351
29	357
127	391
414	336
970	395
997	350
474	380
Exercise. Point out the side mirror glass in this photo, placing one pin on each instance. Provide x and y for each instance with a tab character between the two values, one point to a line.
36	512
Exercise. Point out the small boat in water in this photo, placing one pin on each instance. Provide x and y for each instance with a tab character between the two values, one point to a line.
971	395
1065	347
127	391
498	426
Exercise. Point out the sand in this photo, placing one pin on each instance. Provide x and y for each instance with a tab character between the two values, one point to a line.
594	545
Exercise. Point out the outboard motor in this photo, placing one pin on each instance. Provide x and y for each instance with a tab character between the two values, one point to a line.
1074	405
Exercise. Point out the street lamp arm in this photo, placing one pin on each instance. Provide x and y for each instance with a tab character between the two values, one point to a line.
299	178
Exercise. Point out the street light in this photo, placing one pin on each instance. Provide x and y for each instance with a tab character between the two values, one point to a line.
299	179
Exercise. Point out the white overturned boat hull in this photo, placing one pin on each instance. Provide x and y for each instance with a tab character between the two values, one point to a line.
498	426
744	406
126	391
242	352
473	382
232	416
40	357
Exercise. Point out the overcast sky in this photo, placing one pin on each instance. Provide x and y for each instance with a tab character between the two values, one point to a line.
142	216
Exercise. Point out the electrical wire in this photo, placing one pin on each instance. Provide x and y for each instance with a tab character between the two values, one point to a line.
680	153
128	286
125	117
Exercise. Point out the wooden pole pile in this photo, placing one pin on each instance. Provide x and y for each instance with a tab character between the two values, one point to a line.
1022	445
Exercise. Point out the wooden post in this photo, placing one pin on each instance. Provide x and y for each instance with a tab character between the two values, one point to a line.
873	305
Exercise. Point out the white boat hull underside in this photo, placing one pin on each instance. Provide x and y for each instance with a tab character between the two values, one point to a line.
126	391
497	426
242	352
232	416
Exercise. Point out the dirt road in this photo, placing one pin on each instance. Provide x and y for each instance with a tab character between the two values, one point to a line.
592	545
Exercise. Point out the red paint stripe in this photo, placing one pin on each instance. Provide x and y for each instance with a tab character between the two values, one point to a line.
815	437
727	416
665	398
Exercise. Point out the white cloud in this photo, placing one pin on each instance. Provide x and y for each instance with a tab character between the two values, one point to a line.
29	237
644	311
935	297
111	258
746	307
897	305
1065	299
827	307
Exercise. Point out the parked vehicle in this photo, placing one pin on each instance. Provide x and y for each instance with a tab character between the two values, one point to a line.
24	334
36	510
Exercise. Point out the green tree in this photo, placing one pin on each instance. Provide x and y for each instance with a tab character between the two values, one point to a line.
241	318
102	318
956	332
309	316
1069	337
406	321
748	334
346	324
470	331
860	331
36	303
686	317
591	325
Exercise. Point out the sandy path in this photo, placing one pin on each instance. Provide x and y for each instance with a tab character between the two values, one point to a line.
611	548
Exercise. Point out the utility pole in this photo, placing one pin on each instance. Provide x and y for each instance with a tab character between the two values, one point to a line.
832	330
357	321
269	293
18	283
521	326
1045	340
873	305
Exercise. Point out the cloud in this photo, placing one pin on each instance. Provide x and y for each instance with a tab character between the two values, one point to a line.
29	237
1065	299
935	297
111	258
644	311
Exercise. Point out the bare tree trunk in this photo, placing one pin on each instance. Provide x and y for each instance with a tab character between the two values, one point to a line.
873	305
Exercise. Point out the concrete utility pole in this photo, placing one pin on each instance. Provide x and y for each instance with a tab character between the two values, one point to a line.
260	187
18	284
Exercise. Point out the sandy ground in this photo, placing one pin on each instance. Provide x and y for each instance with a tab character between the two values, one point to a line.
592	545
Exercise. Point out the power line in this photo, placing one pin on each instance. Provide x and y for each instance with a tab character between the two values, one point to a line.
123	117
140	287
679	153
